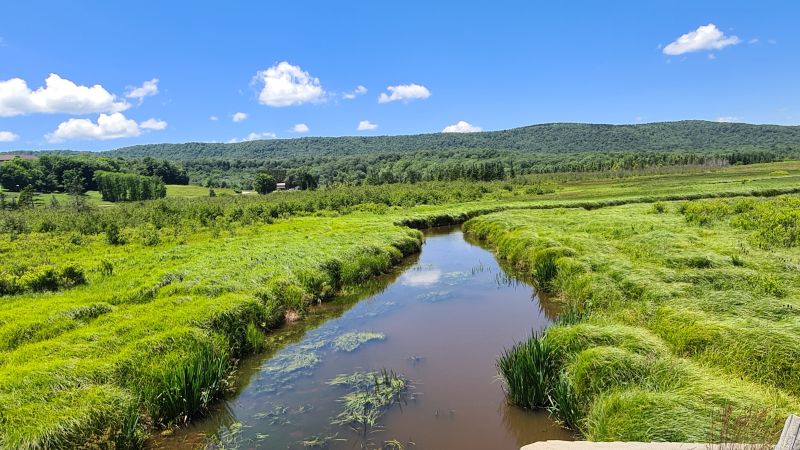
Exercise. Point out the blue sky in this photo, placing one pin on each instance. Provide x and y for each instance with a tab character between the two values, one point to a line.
492	65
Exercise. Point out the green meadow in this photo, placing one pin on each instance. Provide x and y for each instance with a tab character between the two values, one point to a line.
678	293
674	312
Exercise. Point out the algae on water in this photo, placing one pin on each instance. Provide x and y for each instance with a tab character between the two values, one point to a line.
371	395
349	342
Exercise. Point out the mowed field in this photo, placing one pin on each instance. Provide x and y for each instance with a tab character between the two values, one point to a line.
120	320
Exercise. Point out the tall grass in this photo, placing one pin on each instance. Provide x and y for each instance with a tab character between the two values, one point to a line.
564	402
662	325
185	388
96	360
527	370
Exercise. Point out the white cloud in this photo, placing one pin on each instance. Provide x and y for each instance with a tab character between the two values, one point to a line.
729	119
239	116
404	92
57	96
712	56
153	124
706	37
7	136
461	127
214	118
108	126
300	128
287	85
366	125
147	89
753	41
254	137
360	90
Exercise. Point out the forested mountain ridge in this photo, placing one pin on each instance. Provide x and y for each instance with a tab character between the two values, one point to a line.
690	135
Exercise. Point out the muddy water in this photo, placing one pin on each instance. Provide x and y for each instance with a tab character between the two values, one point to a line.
440	321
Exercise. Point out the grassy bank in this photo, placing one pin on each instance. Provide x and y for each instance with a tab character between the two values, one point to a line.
675	311
121	319
157	327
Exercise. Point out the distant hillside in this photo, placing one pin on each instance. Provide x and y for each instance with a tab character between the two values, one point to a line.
691	135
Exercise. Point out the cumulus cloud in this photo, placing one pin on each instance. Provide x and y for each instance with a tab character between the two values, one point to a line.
300	128
729	119
213	118
108	126
153	124
706	37
239	116
366	125
461	127
285	85
7	136
405	93
254	137
360	90
58	95
147	89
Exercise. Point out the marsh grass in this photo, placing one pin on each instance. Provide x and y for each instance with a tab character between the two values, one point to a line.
179	391
77	361
527	370
564	402
661	326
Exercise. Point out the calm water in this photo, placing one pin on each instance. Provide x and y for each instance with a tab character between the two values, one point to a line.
444	317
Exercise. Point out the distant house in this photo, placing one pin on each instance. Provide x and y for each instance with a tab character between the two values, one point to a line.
281	187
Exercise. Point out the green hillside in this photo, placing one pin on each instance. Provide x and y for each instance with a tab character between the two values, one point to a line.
690	135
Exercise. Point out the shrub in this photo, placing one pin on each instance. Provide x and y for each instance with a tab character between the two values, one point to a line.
113	235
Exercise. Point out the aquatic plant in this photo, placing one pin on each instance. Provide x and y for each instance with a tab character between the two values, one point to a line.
564	402
349	342
527	370
371	395
185	388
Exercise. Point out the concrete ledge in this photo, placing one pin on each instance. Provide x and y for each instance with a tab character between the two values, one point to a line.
586	445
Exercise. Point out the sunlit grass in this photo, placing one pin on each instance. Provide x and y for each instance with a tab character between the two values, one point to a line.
670	317
149	337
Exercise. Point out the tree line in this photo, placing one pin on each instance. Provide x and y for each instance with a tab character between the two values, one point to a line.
122	187
450	165
71	174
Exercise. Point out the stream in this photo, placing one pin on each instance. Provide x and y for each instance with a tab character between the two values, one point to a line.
436	324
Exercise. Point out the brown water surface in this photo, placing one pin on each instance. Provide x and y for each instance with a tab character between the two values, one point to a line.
444	316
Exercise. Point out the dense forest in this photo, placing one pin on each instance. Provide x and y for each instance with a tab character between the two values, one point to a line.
484	156
544	138
307	163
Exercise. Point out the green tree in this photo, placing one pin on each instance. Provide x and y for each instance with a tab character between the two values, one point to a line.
16	174
264	183
74	183
25	199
